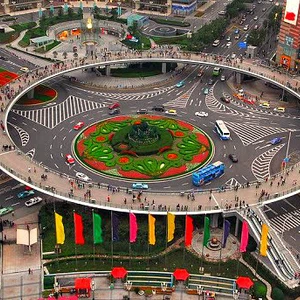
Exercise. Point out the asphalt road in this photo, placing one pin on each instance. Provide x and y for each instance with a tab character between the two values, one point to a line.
284	218
8	197
48	137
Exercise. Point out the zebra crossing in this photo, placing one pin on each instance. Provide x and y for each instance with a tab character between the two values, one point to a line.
260	167
53	115
23	134
182	100
286	222
128	96
253	132
232	182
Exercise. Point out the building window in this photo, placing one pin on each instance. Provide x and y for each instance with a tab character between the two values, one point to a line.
289	41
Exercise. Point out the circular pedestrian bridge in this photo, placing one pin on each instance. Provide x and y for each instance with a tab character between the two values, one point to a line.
15	163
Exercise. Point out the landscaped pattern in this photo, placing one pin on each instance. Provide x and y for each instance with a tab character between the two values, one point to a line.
42	94
6	76
173	148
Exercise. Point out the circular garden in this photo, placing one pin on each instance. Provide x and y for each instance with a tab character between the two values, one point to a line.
143	147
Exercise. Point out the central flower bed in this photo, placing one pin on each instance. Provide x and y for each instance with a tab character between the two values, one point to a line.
143	147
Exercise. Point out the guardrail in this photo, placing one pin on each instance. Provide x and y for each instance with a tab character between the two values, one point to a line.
40	75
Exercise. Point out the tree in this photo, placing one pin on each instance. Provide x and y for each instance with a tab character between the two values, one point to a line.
277	294
55	54
259	290
79	12
65	55
51	13
60	12
70	11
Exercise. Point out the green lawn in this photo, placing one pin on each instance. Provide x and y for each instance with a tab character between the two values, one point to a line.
48	47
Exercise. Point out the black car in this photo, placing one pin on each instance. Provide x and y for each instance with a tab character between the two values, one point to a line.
233	158
142	111
226	100
114	111
210	81
158	108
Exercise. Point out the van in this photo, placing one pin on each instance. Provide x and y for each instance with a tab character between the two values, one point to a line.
222	13
24	69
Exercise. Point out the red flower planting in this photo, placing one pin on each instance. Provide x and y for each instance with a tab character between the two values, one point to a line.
174	171
200	158
202	139
178	134
172	156
97	165
133	174
90	130
163	149
124	160
100	138
80	147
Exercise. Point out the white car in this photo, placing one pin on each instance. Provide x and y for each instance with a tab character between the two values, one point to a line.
201	114
33	201
216	43
171	112
228	45
255	18
82	177
223	78
233	56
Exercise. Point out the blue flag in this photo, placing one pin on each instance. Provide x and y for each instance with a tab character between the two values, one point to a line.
115	227
226	231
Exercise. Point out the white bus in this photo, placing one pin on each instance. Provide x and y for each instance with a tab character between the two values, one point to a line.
222	130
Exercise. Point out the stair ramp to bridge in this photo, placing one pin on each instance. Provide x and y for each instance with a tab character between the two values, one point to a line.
219	285
150	279
280	263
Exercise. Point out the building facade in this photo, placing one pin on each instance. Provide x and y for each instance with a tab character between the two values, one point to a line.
10	6
288	49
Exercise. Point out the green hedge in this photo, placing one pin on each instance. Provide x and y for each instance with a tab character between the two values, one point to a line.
6	38
30	34
110	18
171	22
47	47
48	282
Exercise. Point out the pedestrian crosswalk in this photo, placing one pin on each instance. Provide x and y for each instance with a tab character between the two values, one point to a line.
53	115
286	222
232	182
129	96
23	134
261	165
250	133
182	100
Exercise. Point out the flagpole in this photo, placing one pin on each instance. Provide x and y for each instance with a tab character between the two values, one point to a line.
202	253
129	244
112	237
166	241
56	245
183	254
220	258
148	240
94	247
75	245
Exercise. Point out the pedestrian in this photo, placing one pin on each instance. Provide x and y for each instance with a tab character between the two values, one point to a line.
29	271
29	169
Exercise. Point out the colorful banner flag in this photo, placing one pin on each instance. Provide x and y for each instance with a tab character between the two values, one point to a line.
206	235
115	227
97	229
151	230
226	231
59	229
244	237
189	228
264	240
133	228
171	226
78	229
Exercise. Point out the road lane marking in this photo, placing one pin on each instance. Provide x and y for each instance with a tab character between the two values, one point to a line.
8	198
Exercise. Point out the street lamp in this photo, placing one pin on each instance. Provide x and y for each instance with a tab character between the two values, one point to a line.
128	286
93	288
199	290
163	288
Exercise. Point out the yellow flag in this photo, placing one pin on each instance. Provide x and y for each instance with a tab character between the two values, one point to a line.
60	230
264	240
171	226
151	233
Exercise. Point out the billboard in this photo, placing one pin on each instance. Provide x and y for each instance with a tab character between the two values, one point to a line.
291	11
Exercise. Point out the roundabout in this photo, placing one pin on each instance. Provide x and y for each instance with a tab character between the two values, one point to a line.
148	148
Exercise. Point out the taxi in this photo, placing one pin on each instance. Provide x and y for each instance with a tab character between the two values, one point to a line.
265	105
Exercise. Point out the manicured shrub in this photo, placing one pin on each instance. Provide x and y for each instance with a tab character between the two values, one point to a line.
259	290
277	294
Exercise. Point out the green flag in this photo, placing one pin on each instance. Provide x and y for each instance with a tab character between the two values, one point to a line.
206	235
97	223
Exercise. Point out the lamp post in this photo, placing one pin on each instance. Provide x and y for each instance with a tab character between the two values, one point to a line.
163	286
128	286
93	288
199	290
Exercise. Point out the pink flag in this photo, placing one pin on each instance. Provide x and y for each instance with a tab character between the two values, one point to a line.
244	237
133	228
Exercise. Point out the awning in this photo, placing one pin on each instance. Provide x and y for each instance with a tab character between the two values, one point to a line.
181	274
244	283
83	283
118	272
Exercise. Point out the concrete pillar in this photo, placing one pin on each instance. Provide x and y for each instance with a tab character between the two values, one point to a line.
238	77
107	70
214	220
30	94
237	226
164	68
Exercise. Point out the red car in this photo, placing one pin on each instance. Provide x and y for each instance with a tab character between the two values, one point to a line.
78	126
70	160
114	105
28	188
